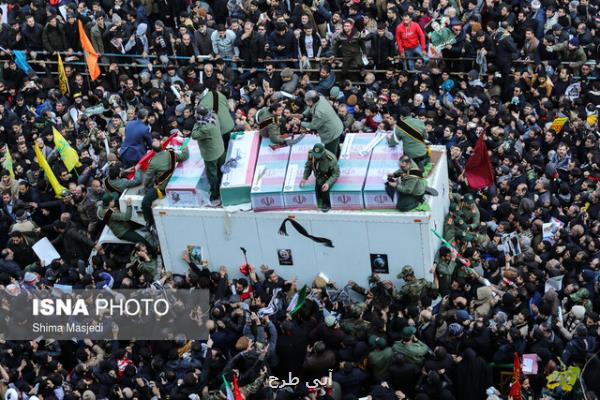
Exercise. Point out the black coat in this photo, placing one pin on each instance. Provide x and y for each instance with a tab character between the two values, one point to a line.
291	349
382	47
505	52
250	50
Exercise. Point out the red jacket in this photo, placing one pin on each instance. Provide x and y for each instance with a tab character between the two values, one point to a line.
410	37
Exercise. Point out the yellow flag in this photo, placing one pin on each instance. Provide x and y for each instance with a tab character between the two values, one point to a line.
592	119
558	124
63	82
67	153
56	186
8	163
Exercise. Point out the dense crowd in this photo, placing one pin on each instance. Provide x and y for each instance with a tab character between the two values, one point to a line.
462	69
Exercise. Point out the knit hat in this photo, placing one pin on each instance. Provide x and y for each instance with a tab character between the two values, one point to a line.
334	92
30	278
462	315
578	311
287	73
574	41
455	329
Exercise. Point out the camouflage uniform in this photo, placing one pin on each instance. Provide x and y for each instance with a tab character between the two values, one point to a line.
413	288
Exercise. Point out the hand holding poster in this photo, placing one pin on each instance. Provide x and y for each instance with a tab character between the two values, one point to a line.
45	251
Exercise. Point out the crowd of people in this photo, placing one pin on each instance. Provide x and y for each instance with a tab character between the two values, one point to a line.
520	272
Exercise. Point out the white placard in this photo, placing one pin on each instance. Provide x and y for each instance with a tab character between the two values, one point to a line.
45	251
4	18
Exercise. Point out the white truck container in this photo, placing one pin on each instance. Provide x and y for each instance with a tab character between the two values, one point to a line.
364	241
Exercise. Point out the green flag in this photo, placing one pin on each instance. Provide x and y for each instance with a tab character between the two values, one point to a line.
297	301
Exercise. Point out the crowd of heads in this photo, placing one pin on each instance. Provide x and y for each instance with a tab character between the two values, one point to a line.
522	276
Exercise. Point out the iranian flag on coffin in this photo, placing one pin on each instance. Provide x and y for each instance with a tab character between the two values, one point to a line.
346	193
294	196
239	168
384	160
188	187
269	177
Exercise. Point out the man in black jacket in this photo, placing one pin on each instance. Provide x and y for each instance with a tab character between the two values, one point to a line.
383	47
249	44
32	33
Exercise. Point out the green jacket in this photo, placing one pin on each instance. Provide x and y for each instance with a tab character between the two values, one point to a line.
210	140
411	190
145	267
325	121
161	163
119	185
414	352
221	109
272	125
326	169
118	222
445	271
379	363
408	131
471	216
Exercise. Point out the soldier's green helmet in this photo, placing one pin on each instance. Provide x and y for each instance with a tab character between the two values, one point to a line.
407	270
468	198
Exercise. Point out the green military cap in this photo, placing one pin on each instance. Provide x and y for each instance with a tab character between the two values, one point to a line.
468	198
459	222
453	207
318	150
408	332
108	197
407	270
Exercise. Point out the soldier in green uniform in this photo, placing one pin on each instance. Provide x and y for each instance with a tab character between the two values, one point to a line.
413	135
160	170
270	121
324	165
470	212
116	183
450	226
413	287
323	120
207	133
410	185
217	103
444	267
412	348
119	223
